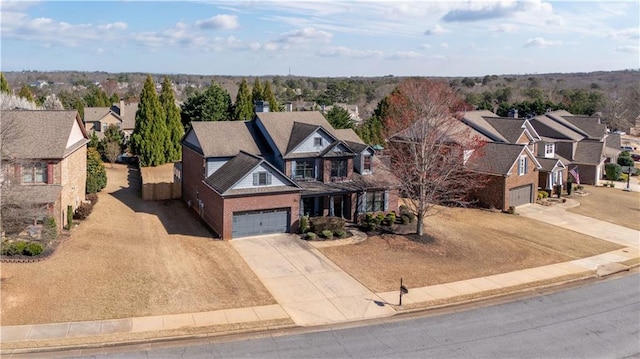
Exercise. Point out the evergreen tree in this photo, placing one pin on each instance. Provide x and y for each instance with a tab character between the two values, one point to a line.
4	85
94	141
338	117
79	106
212	105
271	98
25	93
150	132
243	108
173	148
96	174
257	93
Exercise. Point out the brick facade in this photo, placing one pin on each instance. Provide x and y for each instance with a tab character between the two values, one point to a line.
495	192
73	171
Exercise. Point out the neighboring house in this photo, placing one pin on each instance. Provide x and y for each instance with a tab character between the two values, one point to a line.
44	161
508	158
261	176
122	115
580	142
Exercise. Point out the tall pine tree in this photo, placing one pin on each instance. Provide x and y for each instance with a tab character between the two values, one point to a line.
271	98
257	93
25	93
150	132
4	85
243	108
173	149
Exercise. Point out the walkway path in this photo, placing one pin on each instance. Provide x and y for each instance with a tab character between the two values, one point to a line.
308	286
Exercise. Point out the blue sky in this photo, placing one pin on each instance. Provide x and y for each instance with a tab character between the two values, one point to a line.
321	38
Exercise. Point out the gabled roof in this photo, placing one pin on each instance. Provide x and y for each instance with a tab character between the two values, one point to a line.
351	138
225	138
589	152
477	121
498	158
547	127
299	133
613	141
228	175
589	126
127	114
549	164
93	114
511	128
279	125
43	134
329	151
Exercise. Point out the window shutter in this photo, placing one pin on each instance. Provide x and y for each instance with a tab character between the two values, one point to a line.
49	173
386	200
362	202
293	169
269	178
255	179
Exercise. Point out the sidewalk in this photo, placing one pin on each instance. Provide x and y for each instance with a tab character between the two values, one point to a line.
323	290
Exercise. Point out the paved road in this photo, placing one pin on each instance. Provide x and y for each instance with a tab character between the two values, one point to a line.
600	320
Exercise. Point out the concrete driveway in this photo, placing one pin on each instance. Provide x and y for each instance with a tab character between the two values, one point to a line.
310	288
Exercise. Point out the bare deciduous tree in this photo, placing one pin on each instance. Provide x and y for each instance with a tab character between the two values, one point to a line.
112	151
428	146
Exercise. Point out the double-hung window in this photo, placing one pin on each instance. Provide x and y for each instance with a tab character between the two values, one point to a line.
548	150
338	169
522	165
375	201
262	178
304	169
34	173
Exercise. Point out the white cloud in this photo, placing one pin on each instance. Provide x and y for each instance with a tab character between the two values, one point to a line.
222	22
436	30
503	28
114	26
425	46
444	45
306	35
631	49
541	43
626	34
342	51
485	10
404	55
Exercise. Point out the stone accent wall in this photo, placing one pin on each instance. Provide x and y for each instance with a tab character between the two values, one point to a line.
73	178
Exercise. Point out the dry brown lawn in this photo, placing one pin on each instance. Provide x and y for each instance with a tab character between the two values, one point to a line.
462	244
130	258
612	205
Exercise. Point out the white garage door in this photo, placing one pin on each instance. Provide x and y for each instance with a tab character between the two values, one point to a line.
520	195
253	223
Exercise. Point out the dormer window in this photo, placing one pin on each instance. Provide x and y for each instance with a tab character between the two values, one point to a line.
261	178
366	163
548	150
317	141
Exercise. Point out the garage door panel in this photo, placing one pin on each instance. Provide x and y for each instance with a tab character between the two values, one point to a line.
260	222
520	195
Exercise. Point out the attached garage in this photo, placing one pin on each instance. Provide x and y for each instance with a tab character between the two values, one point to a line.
254	223
520	195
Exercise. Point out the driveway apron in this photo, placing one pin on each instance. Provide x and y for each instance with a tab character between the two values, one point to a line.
310	288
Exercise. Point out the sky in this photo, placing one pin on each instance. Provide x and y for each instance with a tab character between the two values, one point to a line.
321	38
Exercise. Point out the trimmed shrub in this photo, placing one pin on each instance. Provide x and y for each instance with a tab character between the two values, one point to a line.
320	224
580	187
311	236
327	234
612	171
83	211
50	230
625	159
340	233
69	216
33	249
511	210
304	224
19	247
391	218
405	219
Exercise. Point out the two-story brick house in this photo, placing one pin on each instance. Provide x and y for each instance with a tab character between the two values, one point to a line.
122	115
261	176
44	161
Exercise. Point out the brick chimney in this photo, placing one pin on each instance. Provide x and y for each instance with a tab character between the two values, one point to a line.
121	107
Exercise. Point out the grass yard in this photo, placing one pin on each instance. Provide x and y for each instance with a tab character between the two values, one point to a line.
130	258
462	244
612	205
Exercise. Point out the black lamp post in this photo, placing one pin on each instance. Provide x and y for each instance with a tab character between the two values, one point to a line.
628	187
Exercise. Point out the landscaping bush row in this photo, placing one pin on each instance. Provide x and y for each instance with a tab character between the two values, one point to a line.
322	227
17	248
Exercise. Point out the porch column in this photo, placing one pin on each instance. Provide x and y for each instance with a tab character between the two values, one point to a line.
301	208
331	213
